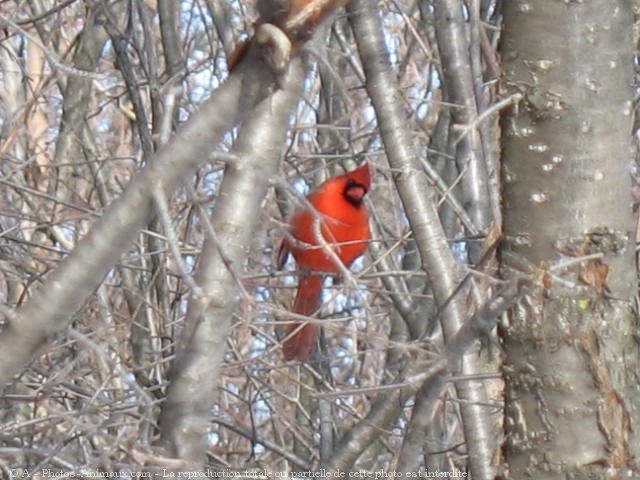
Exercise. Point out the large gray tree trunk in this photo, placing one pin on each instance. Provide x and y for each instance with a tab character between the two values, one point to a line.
572	356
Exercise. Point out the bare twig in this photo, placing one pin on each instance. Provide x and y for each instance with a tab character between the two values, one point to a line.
53	58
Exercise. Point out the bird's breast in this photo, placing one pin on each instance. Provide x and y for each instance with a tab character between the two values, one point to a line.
347	237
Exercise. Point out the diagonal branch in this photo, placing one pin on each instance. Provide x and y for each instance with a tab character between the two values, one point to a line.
417	197
184	420
49	310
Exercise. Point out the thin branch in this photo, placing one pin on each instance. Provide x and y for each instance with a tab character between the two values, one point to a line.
284	452
53	58
162	208
464	130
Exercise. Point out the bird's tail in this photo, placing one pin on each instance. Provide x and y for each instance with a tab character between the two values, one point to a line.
301	338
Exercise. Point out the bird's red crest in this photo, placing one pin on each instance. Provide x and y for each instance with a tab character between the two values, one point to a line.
361	175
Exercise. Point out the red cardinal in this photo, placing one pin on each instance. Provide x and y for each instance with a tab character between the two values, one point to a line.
342	217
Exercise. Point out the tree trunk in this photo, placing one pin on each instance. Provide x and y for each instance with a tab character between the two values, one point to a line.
571	352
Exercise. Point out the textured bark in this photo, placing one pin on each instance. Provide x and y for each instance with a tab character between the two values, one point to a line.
571	353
